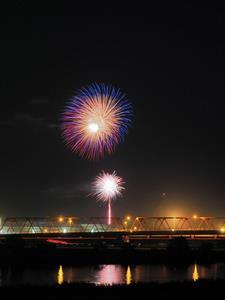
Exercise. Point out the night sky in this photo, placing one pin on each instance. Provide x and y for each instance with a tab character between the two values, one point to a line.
168	60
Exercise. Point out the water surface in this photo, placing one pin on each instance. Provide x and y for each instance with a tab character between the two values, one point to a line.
109	274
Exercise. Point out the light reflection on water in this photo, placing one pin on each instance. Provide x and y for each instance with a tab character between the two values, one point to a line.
128	276
60	277
109	274
195	275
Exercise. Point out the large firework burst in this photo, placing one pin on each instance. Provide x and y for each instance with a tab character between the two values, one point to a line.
107	187
96	120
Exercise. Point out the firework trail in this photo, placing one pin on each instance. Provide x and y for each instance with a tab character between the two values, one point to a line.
96	120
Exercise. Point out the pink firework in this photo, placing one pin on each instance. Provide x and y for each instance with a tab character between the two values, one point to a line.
96	120
106	187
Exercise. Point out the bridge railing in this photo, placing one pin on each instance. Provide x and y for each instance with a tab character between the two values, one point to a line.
23	225
178	224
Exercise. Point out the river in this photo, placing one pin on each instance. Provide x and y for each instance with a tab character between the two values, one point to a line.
109	274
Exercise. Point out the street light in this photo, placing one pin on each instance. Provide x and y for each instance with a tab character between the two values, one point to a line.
60	219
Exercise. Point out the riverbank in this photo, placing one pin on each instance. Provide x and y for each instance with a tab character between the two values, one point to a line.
177	251
48	256
202	289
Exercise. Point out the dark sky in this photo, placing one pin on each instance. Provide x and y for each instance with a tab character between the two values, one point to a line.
168	60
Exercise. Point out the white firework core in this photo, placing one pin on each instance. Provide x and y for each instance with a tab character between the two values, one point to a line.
93	127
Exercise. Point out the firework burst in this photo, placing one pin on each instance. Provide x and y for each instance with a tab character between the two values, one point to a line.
96	120
106	187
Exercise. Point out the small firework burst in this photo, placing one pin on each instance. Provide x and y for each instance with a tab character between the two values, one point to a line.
96	120
107	187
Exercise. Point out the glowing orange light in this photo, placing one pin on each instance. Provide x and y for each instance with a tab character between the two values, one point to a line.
195	275
128	276
194	216
128	218
60	277
60	219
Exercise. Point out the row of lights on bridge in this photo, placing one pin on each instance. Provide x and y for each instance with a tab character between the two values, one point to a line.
126	222
195	217
61	220
127	219
69	220
222	229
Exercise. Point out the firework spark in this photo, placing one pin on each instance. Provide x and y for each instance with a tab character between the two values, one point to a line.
96	120
106	187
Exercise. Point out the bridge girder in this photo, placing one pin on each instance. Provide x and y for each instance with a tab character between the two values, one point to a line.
23	225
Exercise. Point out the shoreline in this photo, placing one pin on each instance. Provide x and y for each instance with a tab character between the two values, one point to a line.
36	256
184	290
